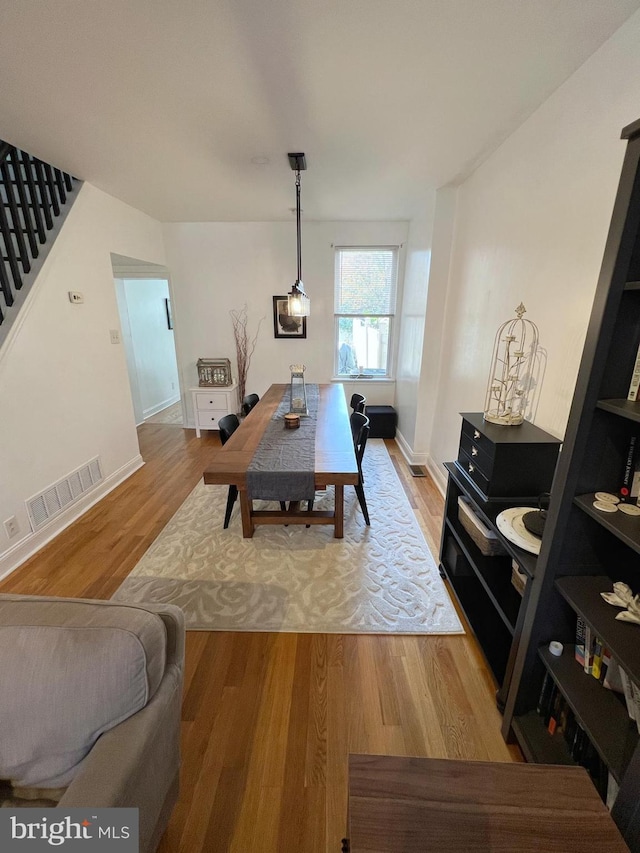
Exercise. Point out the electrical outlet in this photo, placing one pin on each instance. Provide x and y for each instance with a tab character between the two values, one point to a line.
115	336
76	297
12	527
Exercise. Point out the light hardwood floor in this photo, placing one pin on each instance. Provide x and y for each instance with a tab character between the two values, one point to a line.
269	719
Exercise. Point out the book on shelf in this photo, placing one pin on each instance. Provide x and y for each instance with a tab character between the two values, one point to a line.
634	385
612	679
589	648
545	694
635	694
604	665
579	648
557	714
630	480
562	724
549	718
612	791
627	687
597	658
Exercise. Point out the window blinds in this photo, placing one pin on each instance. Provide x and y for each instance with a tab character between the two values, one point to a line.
366	281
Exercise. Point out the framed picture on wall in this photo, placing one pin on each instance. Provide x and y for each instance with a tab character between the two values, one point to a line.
285	326
167	306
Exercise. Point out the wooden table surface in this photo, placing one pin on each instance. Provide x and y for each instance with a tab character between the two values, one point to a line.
402	805
335	461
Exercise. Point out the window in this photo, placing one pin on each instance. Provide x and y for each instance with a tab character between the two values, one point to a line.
365	305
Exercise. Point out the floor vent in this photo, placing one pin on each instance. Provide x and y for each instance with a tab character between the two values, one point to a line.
45	506
417	471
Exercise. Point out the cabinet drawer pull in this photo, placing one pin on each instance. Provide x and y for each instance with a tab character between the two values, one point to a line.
474	451
472	468
476	434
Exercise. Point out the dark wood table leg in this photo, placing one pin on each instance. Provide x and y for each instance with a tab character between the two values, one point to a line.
245	510
339	512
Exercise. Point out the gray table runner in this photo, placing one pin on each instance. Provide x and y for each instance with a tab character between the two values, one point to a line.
283	466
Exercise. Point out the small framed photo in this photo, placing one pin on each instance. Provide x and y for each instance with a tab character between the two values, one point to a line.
285	326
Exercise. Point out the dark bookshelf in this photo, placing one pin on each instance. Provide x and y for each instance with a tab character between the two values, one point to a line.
624	527
537	744
493	574
502	458
622	407
585	550
622	639
488	512
492	634
601	712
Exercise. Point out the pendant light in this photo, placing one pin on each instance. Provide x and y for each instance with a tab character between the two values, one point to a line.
298	303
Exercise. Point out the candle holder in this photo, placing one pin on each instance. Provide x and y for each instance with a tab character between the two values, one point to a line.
298	394
511	376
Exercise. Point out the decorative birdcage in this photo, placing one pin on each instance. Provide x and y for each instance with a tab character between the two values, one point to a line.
298	398
512	369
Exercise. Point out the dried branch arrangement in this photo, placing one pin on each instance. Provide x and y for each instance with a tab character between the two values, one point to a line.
244	345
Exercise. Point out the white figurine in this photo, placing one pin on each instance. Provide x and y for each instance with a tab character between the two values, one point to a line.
622	596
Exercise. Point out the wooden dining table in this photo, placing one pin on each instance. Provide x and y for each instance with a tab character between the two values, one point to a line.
399	804
335	461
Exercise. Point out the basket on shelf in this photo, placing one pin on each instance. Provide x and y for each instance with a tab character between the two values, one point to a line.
518	578
486	540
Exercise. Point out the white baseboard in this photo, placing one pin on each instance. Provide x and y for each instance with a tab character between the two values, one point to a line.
436	471
149	413
15	556
438	475
408	453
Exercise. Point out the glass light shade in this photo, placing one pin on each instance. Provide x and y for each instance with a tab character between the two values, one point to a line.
298	303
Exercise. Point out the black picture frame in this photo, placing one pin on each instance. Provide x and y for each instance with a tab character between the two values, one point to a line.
167	306
285	326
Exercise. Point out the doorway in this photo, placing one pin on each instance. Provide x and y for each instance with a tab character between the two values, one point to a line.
146	321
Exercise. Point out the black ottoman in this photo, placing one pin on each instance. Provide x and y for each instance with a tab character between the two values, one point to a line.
383	421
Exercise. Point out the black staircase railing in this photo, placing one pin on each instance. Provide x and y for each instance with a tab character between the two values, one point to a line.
32	196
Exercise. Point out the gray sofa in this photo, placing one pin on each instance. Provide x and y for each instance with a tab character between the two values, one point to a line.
90	706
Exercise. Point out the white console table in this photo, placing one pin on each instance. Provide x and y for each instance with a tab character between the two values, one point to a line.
212	403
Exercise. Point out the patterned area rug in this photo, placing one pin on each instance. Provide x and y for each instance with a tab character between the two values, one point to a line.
377	580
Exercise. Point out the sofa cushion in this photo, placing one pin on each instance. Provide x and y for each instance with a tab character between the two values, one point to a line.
70	670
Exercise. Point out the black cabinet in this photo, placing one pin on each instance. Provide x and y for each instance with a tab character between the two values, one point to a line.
507	461
585	550
497	467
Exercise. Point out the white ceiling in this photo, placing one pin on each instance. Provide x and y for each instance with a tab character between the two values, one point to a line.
164	103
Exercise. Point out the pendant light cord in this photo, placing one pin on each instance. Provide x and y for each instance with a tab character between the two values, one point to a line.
298	225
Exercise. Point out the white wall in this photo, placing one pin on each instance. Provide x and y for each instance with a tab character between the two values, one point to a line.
216	267
531	225
433	367
129	352
412	323
63	386
154	352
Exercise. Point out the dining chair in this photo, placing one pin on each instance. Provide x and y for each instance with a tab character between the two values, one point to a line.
360	431
358	403
249	402
227	426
